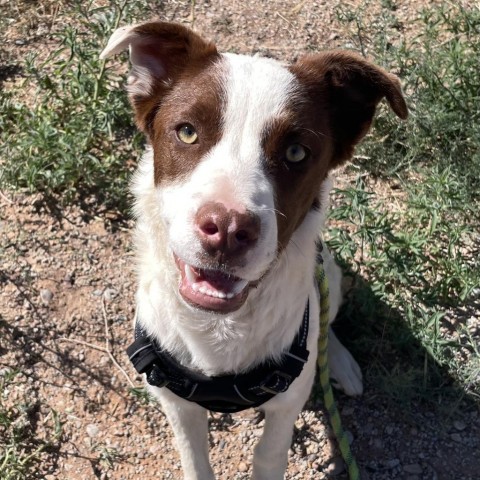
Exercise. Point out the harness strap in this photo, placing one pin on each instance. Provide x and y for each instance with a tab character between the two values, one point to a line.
222	393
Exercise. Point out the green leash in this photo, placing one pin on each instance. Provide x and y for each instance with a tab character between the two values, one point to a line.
328	399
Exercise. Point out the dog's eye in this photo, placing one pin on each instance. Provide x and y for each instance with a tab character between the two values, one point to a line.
295	153
187	134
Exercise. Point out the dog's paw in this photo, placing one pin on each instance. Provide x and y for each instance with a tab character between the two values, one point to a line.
344	370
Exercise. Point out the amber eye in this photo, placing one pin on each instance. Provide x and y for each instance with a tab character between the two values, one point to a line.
295	153
187	134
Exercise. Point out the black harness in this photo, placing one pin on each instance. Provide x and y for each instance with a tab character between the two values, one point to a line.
223	393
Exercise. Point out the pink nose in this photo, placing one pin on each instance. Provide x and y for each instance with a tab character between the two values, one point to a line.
226	234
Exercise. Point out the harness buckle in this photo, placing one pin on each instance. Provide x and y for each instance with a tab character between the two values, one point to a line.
278	386
157	378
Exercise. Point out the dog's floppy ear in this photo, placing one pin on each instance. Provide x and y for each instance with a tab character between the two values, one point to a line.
349	88
160	53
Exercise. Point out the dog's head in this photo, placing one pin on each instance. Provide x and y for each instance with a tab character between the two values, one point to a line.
241	146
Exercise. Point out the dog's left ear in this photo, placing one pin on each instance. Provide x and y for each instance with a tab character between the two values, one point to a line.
160	53
349	88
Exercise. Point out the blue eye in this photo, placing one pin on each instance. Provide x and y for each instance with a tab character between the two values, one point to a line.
295	153
187	134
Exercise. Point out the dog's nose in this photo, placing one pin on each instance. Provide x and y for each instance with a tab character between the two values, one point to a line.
224	233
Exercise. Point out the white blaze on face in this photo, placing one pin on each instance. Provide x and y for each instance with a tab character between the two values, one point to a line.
256	91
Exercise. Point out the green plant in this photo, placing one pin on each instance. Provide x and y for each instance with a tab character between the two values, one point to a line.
416	244
20	446
75	136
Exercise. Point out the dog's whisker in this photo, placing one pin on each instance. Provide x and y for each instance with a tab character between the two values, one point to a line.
273	210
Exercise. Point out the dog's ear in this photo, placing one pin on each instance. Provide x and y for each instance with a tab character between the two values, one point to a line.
349	88
160	53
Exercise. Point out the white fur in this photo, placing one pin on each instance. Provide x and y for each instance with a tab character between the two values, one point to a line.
268	321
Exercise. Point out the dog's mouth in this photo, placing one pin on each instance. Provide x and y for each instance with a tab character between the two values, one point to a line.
213	290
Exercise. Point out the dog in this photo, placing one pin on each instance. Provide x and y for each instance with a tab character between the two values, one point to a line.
230	199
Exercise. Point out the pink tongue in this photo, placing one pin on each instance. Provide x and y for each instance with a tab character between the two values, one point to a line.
217	280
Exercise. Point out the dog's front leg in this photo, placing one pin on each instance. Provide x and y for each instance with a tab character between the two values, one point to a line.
190	426
271	453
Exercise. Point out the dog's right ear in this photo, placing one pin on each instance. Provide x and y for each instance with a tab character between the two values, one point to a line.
159	52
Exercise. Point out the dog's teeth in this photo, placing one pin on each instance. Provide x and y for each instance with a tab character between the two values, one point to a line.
195	287
221	295
189	274
240	285
230	295
202	290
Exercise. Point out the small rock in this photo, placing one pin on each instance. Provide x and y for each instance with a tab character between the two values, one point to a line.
459	425
313	448
109	294
242	467
46	295
350	436
413	468
92	430
395	462
97	293
69	278
456	437
336	467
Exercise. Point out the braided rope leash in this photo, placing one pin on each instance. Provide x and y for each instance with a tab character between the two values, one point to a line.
328	399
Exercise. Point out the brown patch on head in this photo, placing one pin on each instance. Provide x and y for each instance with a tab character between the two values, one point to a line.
161	53
196	99
297	185
173	81
175	52
347	89
330	113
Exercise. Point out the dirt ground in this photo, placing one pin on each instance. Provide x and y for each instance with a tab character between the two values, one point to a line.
67	302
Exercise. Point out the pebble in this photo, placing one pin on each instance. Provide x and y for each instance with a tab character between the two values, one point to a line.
92	430
413	468
109	294
395	462
336	467
459	425
242	467
69	278
456	437
46	295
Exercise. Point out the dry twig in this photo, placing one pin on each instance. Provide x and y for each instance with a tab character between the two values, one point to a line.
105	349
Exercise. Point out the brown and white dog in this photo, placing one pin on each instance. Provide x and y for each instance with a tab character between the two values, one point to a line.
231	196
